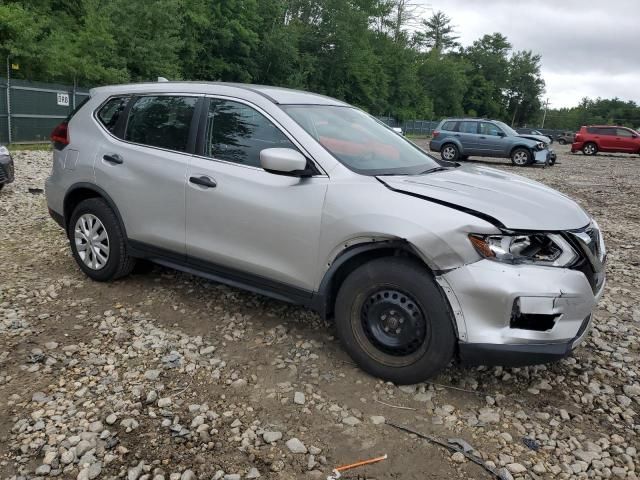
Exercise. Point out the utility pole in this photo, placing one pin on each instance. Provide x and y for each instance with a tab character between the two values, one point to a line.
544	117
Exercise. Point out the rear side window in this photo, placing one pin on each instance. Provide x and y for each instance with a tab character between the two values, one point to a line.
111	111
238	133
448	126
468	127
162	121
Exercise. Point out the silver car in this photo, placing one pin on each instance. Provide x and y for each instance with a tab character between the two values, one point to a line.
309	200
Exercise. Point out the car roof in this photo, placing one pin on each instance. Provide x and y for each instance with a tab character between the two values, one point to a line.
279	95
468	119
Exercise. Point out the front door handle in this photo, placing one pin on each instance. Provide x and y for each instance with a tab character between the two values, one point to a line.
484	138
203	181
113	158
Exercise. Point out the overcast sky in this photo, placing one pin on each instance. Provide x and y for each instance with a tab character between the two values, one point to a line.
589	47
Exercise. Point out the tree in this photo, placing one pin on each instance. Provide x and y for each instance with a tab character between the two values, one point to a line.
524	87
438	33
444	79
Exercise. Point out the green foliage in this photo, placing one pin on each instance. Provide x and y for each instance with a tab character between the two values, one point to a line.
362	51
595	112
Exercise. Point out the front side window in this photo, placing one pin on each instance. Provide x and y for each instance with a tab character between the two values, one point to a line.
161	121
468	127
238	133
623	132
360	142
111	111
487	128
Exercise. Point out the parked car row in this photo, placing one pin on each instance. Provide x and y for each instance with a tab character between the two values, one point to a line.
461	138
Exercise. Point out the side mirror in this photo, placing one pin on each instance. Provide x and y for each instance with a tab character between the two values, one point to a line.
634	135
502	134
285	161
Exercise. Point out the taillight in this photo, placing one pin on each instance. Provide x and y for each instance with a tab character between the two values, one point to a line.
435	134
577	137
60	134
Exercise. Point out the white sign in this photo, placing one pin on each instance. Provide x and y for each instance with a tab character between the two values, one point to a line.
63	99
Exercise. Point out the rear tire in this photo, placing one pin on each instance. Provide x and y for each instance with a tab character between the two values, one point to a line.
590	148
521	157
97	241
449	152
562	141
394	321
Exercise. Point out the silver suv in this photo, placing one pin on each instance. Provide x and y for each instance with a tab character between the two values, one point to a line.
309	200
460	138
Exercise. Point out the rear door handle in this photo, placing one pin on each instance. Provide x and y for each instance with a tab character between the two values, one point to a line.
113	158
203	181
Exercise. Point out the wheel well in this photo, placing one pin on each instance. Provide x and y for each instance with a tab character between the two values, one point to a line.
74	198
517	147
343	271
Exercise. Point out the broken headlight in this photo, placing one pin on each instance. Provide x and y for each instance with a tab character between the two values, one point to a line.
548	249
540	146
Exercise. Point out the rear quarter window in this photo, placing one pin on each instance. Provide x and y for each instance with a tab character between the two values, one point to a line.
110	112
448	126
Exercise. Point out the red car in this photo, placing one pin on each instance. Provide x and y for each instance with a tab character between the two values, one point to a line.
606	138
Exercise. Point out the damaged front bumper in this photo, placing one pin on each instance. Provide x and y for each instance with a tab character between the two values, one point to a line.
515	315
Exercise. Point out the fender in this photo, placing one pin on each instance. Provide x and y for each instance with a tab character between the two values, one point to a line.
323	297
101	193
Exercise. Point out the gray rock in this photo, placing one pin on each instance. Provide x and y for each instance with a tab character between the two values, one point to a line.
298	398
43	469
253	473
270	437
377	419
351	421
296	446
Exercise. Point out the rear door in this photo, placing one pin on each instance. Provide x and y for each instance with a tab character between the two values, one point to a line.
144	170
468	136
606	137
258	227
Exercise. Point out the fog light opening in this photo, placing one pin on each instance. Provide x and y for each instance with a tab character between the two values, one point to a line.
539	322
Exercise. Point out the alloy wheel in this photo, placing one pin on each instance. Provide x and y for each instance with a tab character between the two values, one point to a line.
520	158
449	153
92	241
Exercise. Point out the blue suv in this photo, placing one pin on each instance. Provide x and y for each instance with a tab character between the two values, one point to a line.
460	138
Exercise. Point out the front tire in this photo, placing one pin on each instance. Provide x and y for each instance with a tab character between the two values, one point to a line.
521	157
394	321
450	152
97	241
590	148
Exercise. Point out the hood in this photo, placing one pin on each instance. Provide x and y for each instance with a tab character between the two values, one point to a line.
514	201
537	138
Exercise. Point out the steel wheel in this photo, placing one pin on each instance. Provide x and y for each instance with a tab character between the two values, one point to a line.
92	241
393	322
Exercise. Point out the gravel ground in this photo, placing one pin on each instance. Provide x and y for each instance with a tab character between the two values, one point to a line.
166	376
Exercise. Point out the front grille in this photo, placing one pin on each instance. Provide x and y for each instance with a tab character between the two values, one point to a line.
587	244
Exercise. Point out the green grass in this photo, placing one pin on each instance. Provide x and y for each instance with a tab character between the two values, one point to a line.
14	147
415	136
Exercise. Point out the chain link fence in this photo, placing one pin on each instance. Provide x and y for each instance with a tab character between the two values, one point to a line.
30	110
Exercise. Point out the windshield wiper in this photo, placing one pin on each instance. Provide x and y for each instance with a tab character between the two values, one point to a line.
435	169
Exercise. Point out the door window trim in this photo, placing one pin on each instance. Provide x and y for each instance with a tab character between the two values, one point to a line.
121	126
202	131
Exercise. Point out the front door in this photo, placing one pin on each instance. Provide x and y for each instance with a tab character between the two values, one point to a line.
492	140
242	220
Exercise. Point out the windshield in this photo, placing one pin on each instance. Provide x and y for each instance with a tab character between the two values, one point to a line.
508	130
360	142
